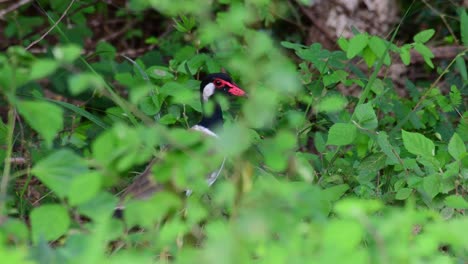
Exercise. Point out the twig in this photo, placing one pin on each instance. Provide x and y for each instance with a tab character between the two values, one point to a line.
442	16
13	7
118	33
53	26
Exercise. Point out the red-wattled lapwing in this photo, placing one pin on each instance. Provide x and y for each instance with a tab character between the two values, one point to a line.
213	84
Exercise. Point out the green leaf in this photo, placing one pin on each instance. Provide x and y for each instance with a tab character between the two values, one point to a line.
42	68
49	222
464	27
461	65
168	119
335	192
66	173
335	77
46	118
455	96
356	45
431	185
405	54
341	134
387	148
343	43
275	150
424	36
159	73
456	147
84	187
365	116
67	53
425	52
79	83
369	56
456	201
146	213
332	104
150	105
418	144
379	48
233	140
93	118
294	46
403	193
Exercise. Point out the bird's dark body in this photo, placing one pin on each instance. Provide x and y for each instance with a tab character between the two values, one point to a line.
144	185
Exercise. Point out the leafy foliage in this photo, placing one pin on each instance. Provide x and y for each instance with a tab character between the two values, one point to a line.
313	174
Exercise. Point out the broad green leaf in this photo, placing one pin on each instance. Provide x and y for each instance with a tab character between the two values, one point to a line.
81	82
67	53
335	77
101	206
365	116
42	68
464	27
405	54
424	36
62	172
159	72
49	222
168	119
233	140
277	148
425	52
456	147
342	235
335	192
341	134
84	187
46	118
343	43
369	56
418	144
15	229
387	148
379	48
403	193
150	105
332	104
146	213
456	201
431	185
352	207
356	45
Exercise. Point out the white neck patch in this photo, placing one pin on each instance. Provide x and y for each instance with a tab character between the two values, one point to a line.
208	91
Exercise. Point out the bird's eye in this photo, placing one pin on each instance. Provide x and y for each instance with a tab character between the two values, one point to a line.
217	83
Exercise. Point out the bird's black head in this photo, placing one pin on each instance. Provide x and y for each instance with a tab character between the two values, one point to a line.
219	83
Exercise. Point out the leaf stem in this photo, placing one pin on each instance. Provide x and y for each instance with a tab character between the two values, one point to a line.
7	162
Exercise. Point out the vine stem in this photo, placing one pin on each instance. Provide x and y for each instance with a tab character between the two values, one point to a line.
7	166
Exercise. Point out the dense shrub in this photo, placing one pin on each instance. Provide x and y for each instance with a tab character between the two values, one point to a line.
314	174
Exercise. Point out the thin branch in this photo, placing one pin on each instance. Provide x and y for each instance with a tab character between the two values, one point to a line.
53	26
442	16
13	7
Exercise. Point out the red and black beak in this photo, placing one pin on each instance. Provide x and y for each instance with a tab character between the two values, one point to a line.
236	91
230	87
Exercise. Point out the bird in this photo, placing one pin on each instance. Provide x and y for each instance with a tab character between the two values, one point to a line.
212	85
